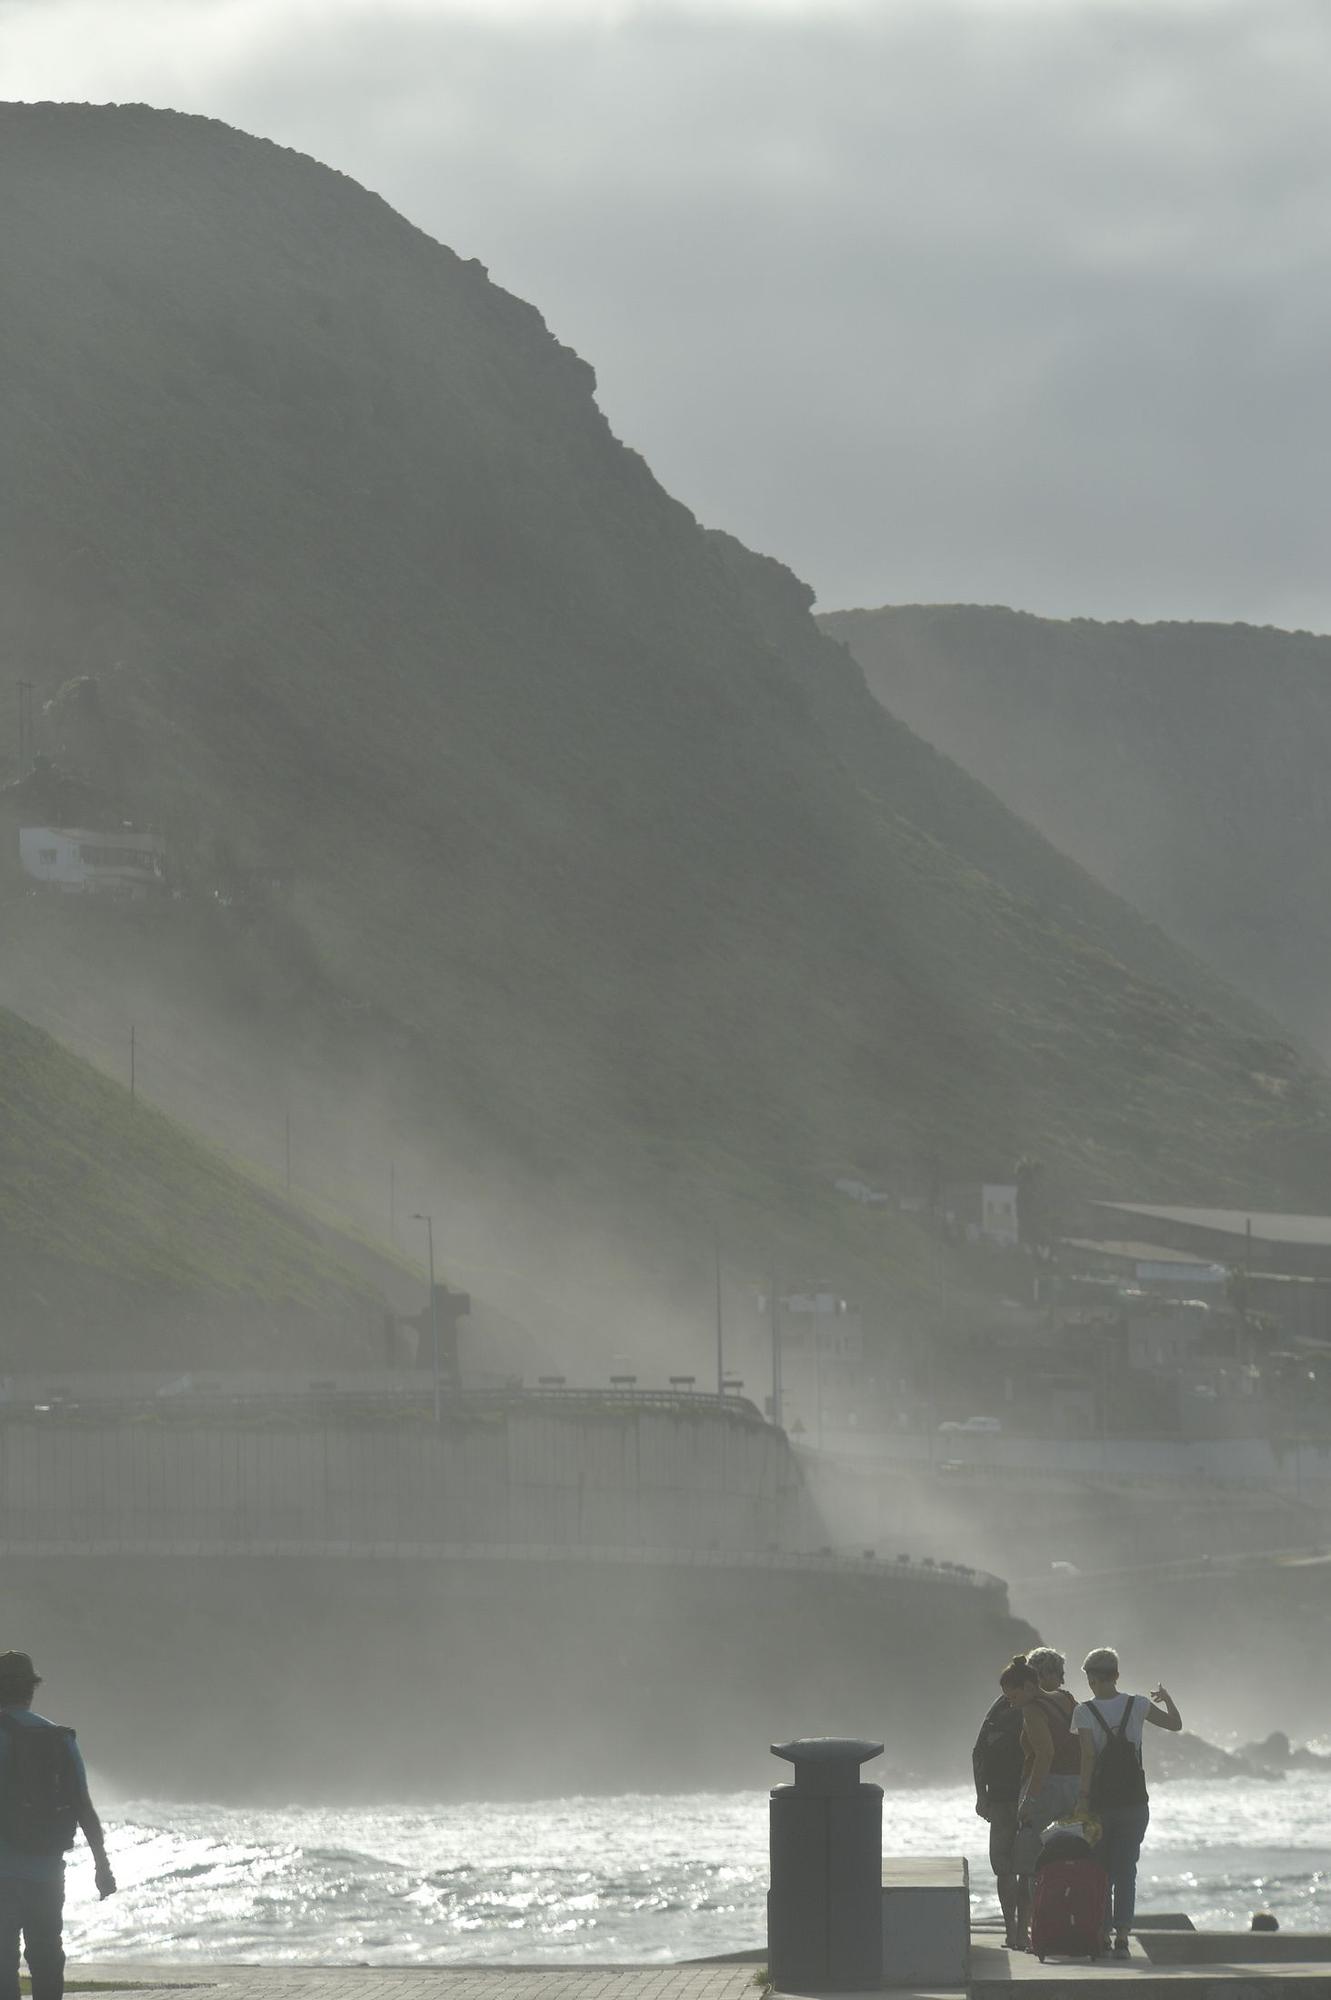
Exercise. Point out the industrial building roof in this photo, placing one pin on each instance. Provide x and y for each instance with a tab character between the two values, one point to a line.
1314	1230
1143	1253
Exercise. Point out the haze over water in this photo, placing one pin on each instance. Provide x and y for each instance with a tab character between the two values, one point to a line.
606	1880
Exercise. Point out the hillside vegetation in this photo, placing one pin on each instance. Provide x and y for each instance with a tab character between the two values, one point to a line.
613	853
1185	765
115	1221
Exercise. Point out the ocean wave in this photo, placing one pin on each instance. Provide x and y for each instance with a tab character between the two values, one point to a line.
628	1879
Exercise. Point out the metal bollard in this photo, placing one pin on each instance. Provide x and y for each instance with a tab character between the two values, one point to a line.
824	1907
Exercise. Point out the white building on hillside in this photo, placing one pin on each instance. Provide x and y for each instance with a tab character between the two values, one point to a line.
984	1211
117	861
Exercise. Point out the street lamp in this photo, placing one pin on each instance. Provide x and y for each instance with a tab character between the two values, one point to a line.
428	1220
774	1315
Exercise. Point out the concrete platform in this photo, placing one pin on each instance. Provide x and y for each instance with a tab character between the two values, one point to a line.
926	1923
997	1974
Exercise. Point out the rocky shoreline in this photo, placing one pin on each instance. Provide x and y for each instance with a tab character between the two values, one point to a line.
1187	1756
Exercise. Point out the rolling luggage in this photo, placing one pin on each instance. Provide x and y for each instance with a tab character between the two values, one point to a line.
1070	1909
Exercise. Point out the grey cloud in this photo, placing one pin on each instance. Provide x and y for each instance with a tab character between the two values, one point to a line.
998	301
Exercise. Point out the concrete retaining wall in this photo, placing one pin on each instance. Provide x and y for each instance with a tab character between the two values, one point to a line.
626	1478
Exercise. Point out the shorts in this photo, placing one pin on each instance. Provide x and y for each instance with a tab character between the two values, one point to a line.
1056	1799
1002	1836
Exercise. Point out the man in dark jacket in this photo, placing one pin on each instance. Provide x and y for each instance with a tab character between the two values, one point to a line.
43	1802
996	1761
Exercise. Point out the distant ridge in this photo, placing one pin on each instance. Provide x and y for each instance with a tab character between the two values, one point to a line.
1185	764
611	851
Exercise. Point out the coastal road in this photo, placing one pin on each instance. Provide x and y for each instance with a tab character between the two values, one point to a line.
1063	1588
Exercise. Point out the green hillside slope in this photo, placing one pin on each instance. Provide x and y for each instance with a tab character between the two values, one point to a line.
124	1242
568	798
1184	764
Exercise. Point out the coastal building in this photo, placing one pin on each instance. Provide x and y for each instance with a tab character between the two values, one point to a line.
860	1191
1148	1264
983	1212
120	861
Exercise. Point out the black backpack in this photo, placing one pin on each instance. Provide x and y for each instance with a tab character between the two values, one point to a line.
1118	1778
39	1788
1000	1755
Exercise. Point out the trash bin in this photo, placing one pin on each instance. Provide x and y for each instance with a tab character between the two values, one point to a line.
824	1906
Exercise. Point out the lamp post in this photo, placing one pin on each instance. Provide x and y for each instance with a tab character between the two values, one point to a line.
720	1313
428	1220
774	1315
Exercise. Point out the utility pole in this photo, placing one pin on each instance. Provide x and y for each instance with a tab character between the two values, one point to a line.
775	1317
131	1062
1243	1315
720	1321
287	1136
25	735
818	1374
935	1339
392	1204
428	1220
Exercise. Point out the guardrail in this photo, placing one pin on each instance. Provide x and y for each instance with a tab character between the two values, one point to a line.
414	1400
829	1561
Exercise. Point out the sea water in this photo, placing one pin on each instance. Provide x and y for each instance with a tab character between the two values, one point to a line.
606	1879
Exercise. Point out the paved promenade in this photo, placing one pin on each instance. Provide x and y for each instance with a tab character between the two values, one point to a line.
556	1982
995	1975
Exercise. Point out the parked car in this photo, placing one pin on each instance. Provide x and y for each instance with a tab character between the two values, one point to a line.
986	1426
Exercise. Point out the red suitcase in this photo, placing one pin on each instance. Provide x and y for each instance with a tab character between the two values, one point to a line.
1069	1910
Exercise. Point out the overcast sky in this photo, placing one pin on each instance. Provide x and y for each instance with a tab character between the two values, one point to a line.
1017	301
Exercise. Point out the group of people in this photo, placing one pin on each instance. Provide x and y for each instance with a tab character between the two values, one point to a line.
1043	1759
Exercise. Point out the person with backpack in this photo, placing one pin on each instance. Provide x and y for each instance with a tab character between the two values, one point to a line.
44	1803
996	1762
1113	1780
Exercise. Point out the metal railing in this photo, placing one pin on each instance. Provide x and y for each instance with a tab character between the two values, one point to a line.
414	1399
823	1561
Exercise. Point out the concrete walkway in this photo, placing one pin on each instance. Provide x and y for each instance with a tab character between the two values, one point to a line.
555	1982
995	1975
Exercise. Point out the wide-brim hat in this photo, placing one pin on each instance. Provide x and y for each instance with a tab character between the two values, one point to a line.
17	1671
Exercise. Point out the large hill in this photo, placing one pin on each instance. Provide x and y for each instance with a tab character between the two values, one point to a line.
1185	765
117	1224
491	781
